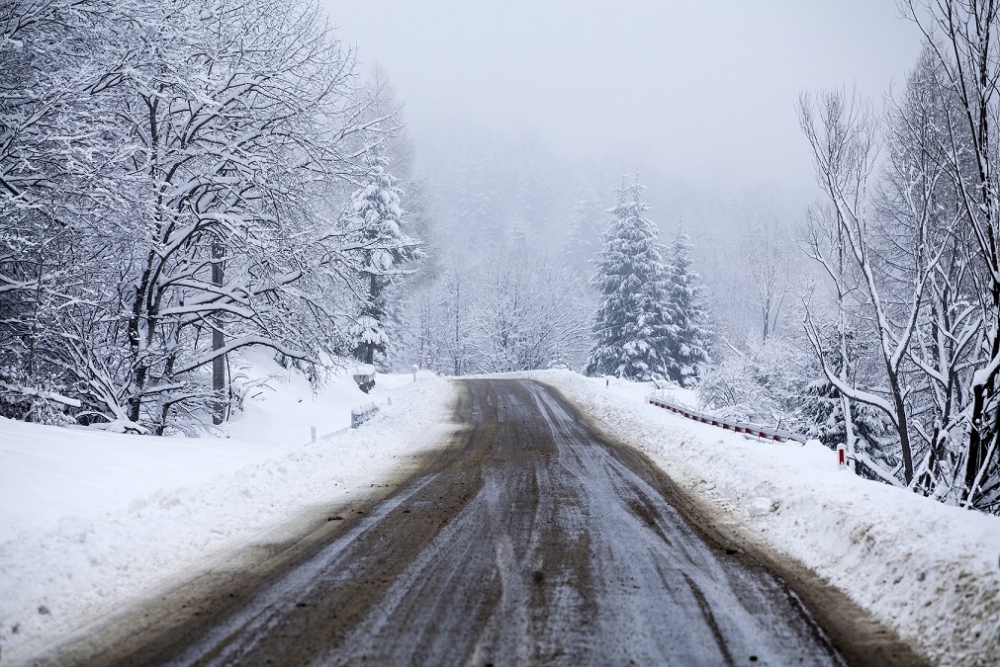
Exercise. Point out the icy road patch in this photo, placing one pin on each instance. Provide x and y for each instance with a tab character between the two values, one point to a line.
929	571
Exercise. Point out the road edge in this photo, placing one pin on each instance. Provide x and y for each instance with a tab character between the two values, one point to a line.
854	630
258	557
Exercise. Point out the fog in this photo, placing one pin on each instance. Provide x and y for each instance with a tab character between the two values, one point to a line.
699	92
519	112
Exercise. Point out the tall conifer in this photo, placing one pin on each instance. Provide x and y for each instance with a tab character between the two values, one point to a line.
376	218
689	334
630	326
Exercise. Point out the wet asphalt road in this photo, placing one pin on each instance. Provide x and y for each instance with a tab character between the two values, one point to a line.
529	539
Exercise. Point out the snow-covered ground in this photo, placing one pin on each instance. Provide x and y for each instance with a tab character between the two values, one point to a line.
928	570
89	519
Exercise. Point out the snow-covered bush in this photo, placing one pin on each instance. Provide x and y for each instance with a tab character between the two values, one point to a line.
761	385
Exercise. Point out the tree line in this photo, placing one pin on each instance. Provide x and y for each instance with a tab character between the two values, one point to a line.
898	352
498	296
183	180
180	180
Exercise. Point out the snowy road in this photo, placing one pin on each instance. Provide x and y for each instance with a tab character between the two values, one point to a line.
528	540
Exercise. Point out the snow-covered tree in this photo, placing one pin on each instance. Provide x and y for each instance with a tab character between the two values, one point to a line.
525	317
375	222
769	267
168	177
631	326
689	334
961	40
456	301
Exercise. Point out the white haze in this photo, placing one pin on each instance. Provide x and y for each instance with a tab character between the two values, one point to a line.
530	106
683	90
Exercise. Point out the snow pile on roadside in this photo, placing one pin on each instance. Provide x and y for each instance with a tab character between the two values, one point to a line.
89	519
928	570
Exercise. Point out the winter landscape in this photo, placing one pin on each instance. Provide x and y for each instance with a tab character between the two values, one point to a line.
343	331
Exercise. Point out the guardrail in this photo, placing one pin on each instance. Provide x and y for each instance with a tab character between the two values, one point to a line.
761	432
360	415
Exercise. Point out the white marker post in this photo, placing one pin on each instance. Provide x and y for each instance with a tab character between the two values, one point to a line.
312	432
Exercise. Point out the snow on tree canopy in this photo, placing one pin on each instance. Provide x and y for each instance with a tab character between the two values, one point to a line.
168	170
689	335
631	325
375	220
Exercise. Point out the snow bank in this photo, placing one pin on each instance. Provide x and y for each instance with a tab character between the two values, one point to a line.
928	570
90	519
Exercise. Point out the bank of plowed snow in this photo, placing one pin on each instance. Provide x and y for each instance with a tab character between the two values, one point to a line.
930	571
90	519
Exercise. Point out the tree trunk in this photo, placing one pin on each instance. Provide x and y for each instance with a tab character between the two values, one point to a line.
979	436
902	426
135	344
374	292
218	341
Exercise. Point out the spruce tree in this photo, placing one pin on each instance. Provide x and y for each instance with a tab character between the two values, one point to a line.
376	221
630	325
689	333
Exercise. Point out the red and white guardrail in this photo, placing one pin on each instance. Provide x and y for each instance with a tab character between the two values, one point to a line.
761	432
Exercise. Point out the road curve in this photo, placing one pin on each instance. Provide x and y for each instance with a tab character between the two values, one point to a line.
530	539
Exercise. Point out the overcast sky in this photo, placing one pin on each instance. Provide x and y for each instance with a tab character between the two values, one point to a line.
701	90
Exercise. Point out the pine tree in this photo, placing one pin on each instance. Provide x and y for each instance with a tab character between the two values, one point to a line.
689	334
630	323
376	220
